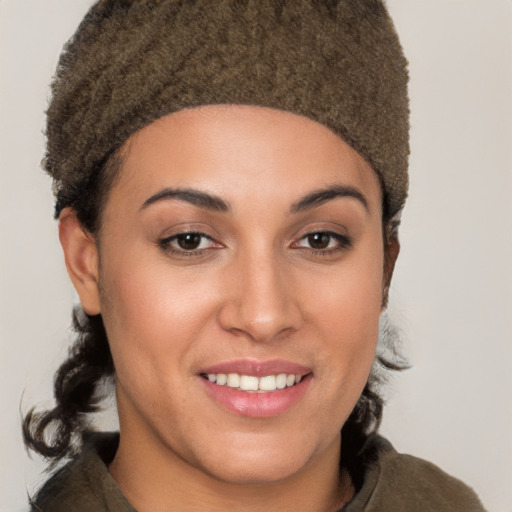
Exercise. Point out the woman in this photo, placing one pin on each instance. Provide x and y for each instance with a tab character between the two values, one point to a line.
229	177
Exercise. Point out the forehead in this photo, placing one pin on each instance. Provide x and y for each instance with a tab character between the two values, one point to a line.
241	152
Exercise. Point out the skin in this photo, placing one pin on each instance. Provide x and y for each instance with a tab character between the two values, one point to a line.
258	289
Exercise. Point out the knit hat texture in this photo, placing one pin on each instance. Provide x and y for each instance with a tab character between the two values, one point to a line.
337	62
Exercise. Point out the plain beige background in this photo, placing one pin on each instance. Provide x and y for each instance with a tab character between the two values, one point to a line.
452	293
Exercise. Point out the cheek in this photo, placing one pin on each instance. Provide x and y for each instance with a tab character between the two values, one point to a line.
347	312
351	296
152	316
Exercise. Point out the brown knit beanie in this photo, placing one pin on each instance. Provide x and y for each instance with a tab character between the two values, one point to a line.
337	62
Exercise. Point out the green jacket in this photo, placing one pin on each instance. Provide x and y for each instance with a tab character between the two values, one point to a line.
392	482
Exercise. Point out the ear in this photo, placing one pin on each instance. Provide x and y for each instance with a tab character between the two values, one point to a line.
391	251
81	257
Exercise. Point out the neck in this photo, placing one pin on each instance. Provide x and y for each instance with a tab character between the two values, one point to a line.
153	477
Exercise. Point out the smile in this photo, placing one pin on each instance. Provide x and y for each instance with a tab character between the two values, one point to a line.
251	383
257	389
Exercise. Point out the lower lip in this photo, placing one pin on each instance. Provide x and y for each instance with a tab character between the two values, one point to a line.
257	405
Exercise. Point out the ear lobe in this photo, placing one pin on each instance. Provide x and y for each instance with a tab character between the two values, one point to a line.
81	257
391	252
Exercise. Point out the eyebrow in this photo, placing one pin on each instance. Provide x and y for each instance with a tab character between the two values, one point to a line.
319	197
195	197
215	203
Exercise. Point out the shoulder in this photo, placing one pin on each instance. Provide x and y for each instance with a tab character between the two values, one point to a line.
84	484
403	483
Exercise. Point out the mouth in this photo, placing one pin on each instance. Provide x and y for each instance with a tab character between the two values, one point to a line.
257	389
252	383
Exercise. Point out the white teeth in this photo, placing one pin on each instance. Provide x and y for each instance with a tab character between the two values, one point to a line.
233	380
268	383
281	381
249	383
252	383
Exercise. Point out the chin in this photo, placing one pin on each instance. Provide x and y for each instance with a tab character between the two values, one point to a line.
256	471
258	461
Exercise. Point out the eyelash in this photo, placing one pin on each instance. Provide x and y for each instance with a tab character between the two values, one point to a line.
165	244
343	243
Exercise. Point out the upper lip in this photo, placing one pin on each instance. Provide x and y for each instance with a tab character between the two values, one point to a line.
258	368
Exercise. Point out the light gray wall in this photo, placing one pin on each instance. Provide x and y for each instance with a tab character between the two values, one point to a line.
453	288
452	293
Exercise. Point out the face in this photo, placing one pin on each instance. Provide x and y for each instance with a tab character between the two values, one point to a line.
240	282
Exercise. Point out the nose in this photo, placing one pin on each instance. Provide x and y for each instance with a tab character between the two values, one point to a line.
261	300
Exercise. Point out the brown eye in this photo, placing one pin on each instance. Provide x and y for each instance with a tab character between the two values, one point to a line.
189	241
323	242
319	240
